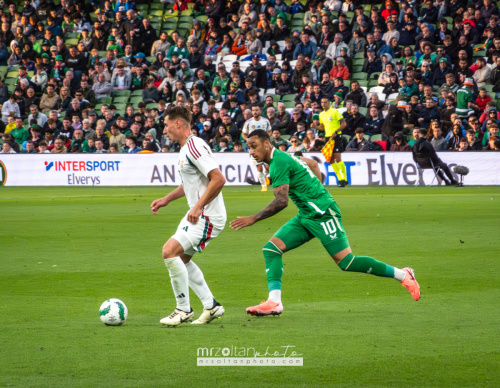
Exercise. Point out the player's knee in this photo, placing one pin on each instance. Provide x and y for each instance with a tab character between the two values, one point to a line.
271	246
167	252
345	262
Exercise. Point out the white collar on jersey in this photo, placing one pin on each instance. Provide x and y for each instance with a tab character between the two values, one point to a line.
272	153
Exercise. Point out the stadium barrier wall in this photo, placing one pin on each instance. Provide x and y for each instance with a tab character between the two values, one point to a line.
363	168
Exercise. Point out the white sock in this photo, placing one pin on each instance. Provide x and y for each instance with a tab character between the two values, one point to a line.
179	278
262	178
275	296
399	274
199	285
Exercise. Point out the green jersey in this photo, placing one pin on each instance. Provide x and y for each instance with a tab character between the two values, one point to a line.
464	96
305	190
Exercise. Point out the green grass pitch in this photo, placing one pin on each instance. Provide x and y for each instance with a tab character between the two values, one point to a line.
65	250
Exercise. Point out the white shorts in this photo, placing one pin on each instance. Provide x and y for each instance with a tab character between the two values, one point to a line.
195	237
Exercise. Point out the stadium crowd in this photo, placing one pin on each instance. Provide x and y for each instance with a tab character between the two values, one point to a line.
97	76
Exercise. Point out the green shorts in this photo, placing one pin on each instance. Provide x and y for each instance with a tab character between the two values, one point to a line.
327	228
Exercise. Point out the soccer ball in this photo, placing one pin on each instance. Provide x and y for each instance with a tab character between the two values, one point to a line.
113	312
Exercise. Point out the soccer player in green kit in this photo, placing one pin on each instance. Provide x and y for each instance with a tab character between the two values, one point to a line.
319	216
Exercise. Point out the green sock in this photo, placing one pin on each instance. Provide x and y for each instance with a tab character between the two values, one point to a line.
366	264
342	170
274	266
336	169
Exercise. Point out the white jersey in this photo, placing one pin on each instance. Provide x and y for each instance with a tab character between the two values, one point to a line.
252	125
195	162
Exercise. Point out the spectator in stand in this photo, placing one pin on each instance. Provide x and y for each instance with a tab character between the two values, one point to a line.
400	143
359	141
306	47
438	141
340	70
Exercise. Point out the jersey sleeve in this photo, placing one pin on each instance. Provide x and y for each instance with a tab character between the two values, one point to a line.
245	128
280	171
338	116
201	157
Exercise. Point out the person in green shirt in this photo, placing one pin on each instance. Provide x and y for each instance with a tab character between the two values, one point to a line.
222	79
179	48
319	216
19	133
112	45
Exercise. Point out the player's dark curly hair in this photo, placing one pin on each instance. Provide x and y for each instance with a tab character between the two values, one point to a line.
260	133
179	113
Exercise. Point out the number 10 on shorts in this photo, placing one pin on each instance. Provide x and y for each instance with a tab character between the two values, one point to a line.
330	226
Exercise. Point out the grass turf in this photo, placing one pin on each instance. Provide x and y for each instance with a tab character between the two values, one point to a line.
65	250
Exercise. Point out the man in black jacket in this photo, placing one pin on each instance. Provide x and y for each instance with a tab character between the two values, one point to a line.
284	86
357	95
423	154
354	121
77	62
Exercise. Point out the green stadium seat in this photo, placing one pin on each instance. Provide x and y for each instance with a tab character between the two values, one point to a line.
347	137
120	100
152	105
187	12
135	99
360	55
155	12
72	35
285	137
155	19
289	104
289	97
299	15
158	6
359	76
183	32
169	24
358	61
168	16
9	81
12	74
71	41
489	88
105	100
151	59
185	19
120	107
363	83
184	25
358	69
122	93
202	18
376	138
142	8
363	110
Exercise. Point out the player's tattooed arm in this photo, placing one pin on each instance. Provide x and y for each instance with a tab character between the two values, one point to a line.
279	202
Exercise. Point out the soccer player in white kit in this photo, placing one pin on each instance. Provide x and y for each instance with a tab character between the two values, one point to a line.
202	182
257	122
